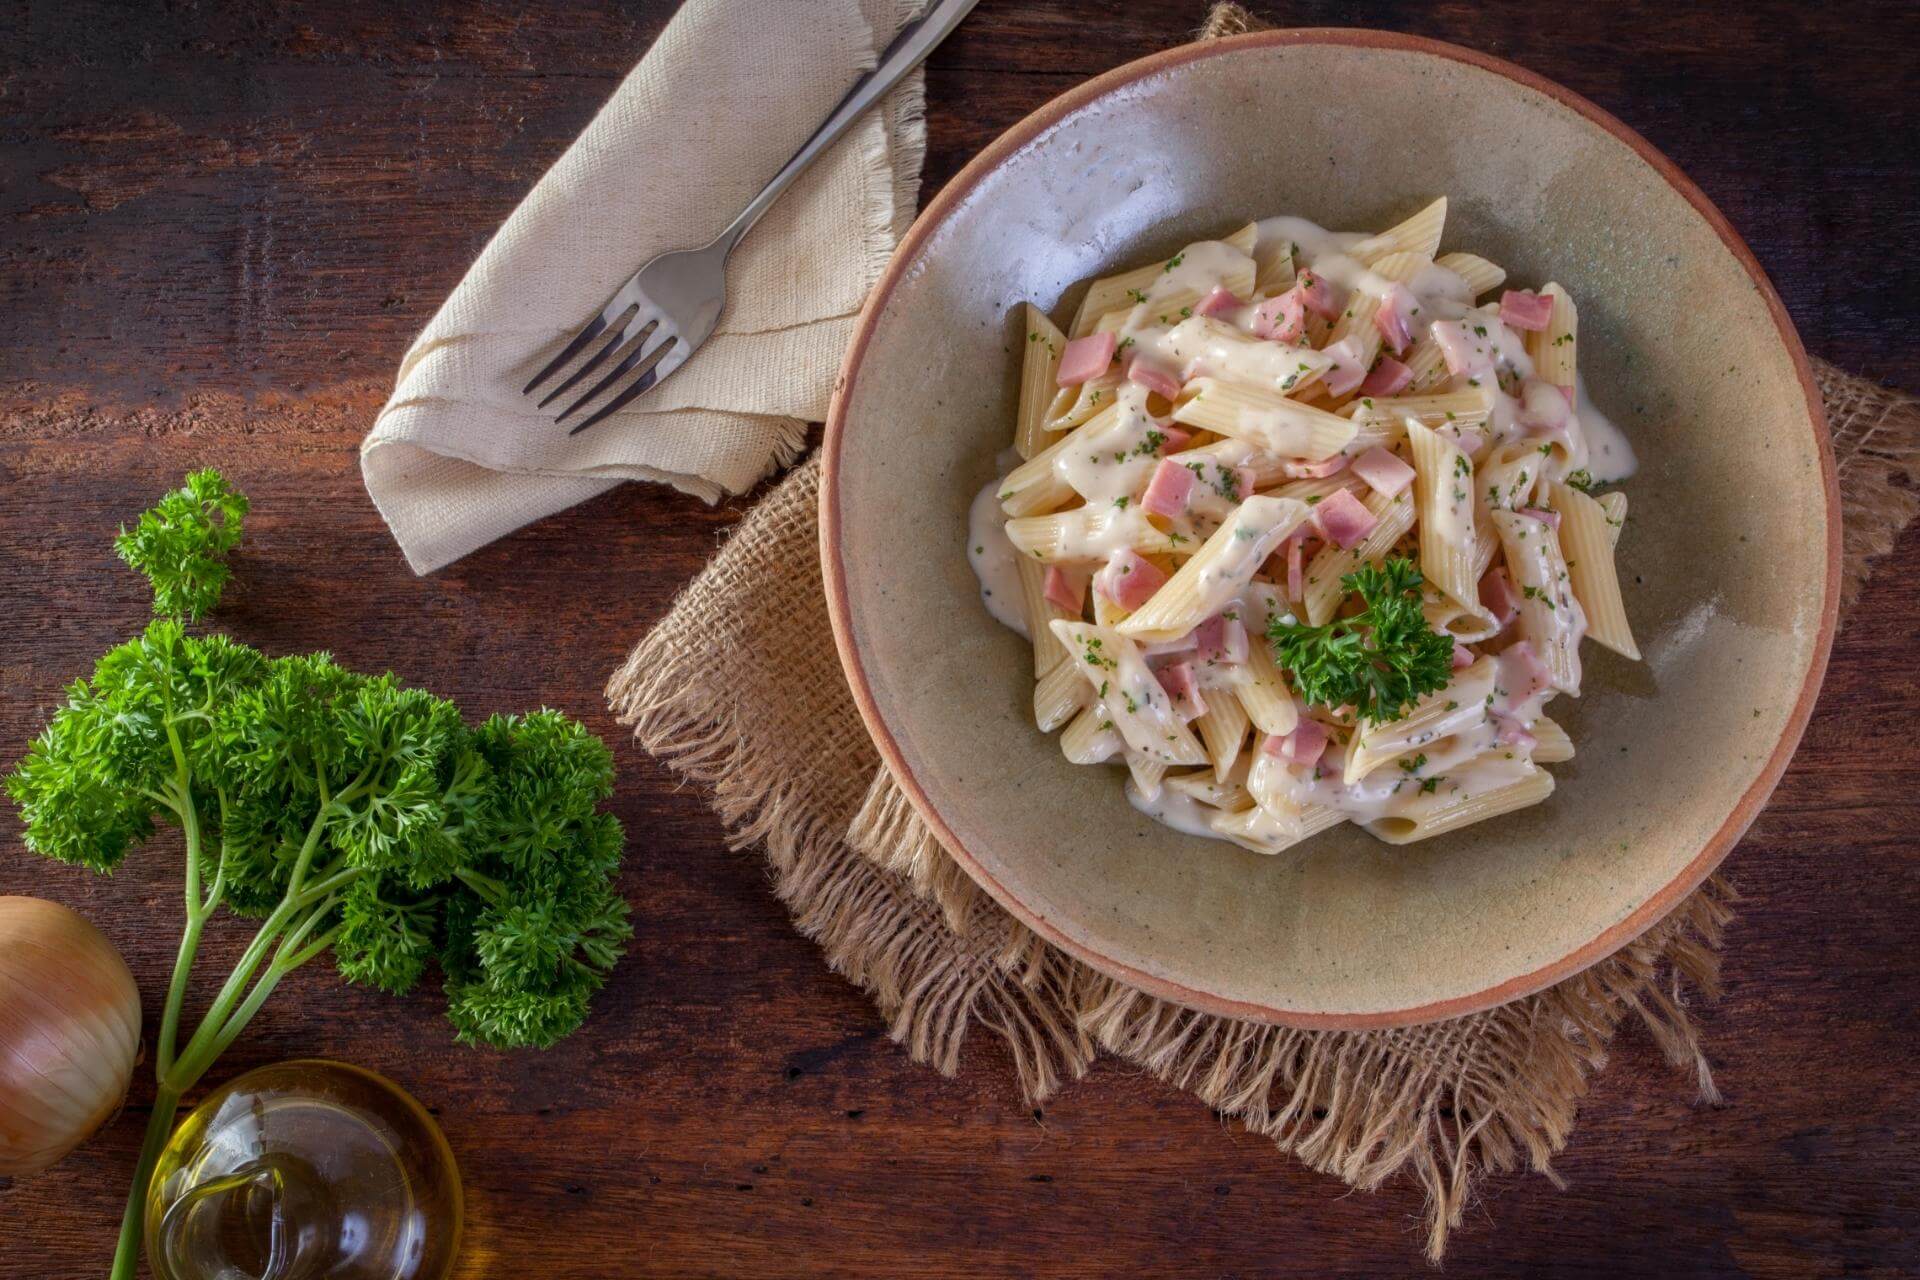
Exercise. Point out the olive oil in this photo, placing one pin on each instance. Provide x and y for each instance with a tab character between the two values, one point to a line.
304	1170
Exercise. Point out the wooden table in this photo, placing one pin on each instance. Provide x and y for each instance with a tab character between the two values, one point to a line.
222	226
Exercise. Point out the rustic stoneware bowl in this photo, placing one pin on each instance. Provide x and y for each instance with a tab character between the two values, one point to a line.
1730	561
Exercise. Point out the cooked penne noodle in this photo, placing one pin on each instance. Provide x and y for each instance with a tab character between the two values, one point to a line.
1229	796
1141	710
1039	611
1244	239
1443	505
1091	738
1551	745
1147	773
1223	729
1259	831
1393	517
1219	571
1615	506
1449	813
1481	276
1553	348
1074	405
1402	267
1087	533
1419	234
1060	693
1037	387
1460	706
1273	423
1469	408
1265	697
1586	539
1427	362
1550	616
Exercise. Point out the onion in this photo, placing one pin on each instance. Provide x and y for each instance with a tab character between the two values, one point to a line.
69	1032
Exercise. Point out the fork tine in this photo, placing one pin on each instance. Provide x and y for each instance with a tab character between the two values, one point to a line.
591	330
632	329
640	384
645	380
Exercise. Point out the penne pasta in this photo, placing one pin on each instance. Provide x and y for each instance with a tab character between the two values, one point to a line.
1586	539
1419	234
1553	348
1460	706
1089	533
1273	423
1146	773
1039	611
1259	831
1060	694
1044	342
1469	408
1443	814
1141	711
1551	745
1550	617
1615	506
1443	505
1219	571
1229	796
1091	738
1481	276
1223	730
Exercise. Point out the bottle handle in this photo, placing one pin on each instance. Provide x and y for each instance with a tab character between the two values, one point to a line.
263	1172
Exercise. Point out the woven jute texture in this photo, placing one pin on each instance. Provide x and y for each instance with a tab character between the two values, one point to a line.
738	689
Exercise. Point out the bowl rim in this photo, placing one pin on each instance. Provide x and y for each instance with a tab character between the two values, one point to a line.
1610	940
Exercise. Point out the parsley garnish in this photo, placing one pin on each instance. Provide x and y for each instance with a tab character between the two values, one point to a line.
1381	659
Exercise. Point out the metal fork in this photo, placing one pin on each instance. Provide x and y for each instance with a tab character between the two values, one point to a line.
667	308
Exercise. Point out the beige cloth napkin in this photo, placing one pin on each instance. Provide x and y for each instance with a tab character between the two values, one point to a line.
725	96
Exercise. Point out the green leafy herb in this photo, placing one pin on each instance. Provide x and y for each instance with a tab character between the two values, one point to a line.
349	813
1582	480
1380	660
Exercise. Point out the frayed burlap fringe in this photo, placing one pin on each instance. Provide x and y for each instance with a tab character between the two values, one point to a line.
739	689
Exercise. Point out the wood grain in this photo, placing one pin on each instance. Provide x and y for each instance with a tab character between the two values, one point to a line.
221	226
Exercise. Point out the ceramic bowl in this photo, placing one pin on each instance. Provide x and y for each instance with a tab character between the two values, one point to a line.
1730	560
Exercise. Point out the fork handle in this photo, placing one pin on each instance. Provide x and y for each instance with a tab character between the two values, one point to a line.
908	50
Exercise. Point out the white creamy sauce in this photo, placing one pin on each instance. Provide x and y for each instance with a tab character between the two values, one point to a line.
993	559
1530	432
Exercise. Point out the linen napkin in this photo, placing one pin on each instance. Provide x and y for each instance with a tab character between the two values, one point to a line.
729	91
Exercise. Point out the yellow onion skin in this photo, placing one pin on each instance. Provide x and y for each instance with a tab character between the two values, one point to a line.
69	1032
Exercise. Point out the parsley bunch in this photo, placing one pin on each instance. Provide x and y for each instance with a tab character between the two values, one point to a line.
349	813
1380	660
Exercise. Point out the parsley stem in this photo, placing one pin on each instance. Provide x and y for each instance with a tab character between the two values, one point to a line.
126	1254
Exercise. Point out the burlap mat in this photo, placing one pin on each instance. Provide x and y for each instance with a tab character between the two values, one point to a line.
738	688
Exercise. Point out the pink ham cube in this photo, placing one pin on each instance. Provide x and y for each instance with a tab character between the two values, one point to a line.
1154	379
1220	639
1177	680
1462	656
1343	520
1284	318
1297	568
1318	296
1086	358
1347	373
1170	490
1173	439
1066	589
1383	470
1304	746
1514	734
1521	675
1129	579
1463	351
1395	317
1221	300
1388	378
1499	597
1520	309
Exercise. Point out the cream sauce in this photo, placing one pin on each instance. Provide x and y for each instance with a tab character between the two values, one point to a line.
1117	460
994	559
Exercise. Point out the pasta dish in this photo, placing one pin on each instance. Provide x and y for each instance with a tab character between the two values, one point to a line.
1306	527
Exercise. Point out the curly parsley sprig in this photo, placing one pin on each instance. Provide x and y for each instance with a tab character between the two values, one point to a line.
350	813
1378	661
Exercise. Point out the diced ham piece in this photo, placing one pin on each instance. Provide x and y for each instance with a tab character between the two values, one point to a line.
1177	680
1395	317
1520	309
1284	318
1470	440
1221	639
1296	569
1086	358
1220	300
1318	295
1342	519
1347	373
1546	515
1174	439
1067	589
1141	373
1305	745
1129	579
1383	470
1464	352
1462	656
1170	490
1498	595
1521	674
1388	378
1316	470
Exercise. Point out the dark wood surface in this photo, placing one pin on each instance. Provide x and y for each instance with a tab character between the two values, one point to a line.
219	226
